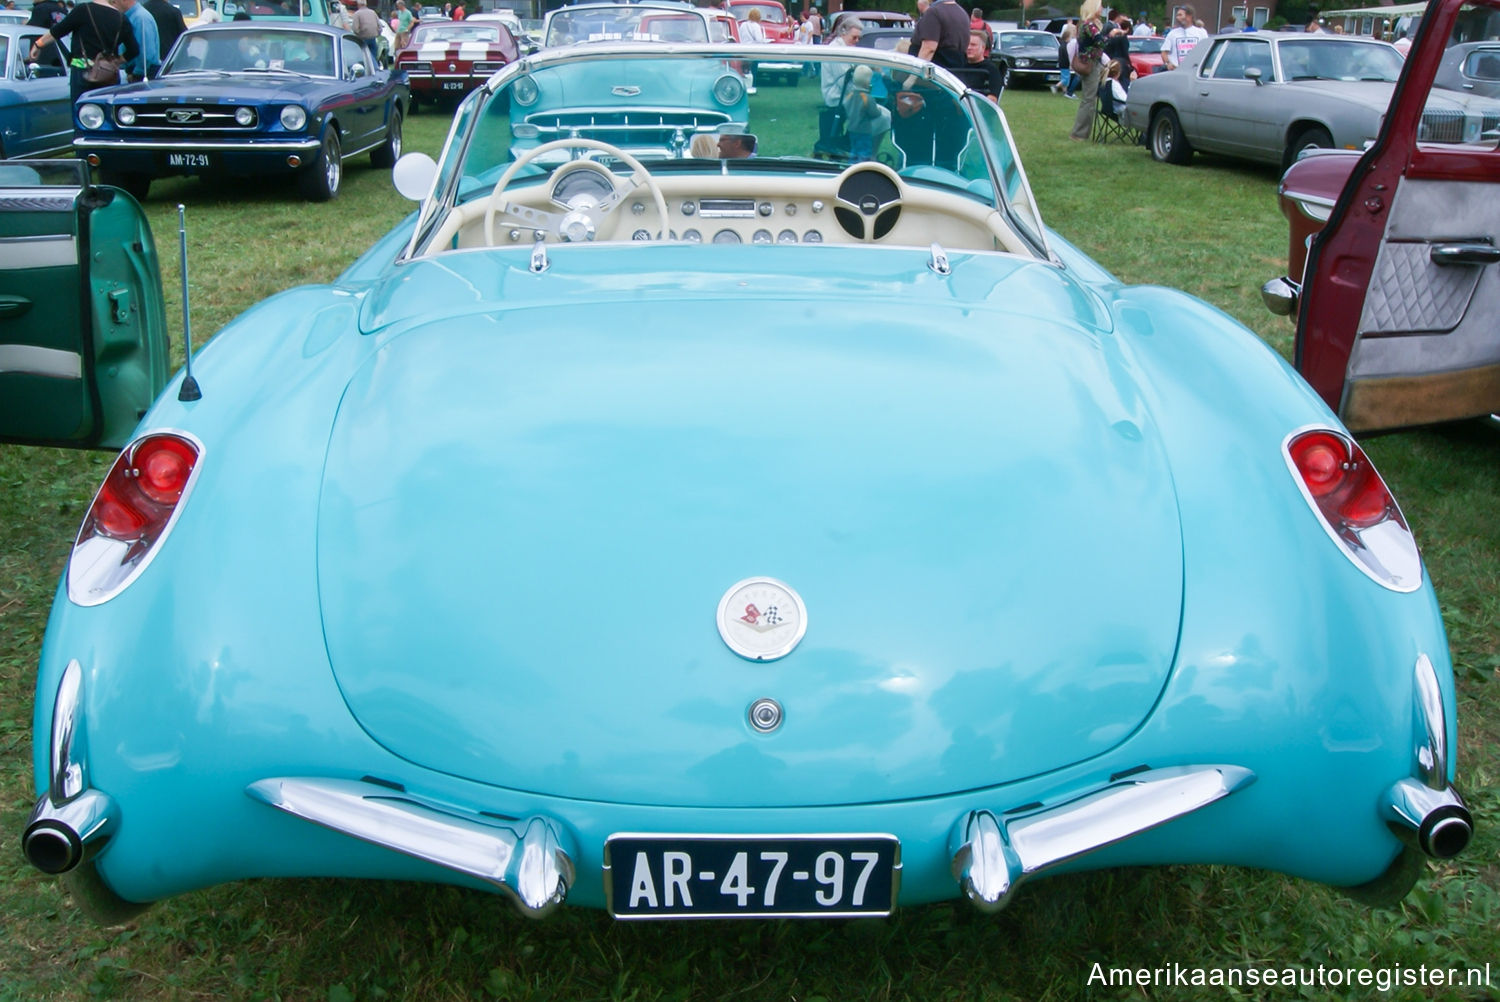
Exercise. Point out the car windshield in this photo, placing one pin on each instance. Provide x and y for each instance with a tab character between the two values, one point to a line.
237	50
624	23
456	31
768	12
189	8
1146	45
1010	41
683	114
1310	59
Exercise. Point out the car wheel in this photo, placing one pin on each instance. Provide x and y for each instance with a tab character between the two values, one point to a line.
138	185
320	182
388	152
1314	138
1168	144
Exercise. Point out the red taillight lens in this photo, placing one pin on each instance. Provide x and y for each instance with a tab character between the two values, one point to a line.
1321	459
1348	491
1350	496
142	489
134	507
163	465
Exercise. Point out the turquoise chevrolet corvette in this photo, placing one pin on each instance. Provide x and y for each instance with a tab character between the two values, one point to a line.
668	520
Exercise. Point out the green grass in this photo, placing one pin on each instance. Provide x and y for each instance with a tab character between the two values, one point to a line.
1212	229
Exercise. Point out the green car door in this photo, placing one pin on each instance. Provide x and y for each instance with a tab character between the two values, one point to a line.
83	338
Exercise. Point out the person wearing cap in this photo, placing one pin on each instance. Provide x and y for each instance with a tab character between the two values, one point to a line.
210	13
1143	27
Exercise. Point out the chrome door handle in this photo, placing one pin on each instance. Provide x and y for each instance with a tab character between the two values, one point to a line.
1467	253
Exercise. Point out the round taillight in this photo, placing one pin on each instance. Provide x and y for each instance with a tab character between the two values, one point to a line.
162	466
1322	460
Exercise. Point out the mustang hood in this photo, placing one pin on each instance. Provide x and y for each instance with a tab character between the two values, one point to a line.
530	516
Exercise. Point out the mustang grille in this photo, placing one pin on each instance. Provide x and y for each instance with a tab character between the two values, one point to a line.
630	128
188	119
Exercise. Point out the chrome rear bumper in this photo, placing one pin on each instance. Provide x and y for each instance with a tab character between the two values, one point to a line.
994	852
528	858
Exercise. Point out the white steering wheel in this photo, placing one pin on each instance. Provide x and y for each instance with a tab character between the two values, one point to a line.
576	224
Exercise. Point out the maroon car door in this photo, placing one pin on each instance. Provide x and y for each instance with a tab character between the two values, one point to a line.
1400	312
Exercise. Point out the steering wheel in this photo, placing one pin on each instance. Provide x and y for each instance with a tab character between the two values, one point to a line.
576	224
868	201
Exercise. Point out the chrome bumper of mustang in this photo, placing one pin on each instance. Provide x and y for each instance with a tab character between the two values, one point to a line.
274	146
993	852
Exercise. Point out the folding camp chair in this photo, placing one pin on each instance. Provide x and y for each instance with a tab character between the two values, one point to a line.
1108	124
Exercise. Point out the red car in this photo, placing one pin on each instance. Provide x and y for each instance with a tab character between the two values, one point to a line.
1145	54
1394	274
451	58
773	18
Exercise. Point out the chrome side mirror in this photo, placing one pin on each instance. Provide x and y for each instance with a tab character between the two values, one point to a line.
1254	73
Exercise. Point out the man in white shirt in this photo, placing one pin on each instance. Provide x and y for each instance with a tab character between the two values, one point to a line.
1143	27
1181	39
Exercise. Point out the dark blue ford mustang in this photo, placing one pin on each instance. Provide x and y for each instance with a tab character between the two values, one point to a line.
248	98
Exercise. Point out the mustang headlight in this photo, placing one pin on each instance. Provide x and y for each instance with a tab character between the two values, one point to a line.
125	116
525	92
293	118
729	89
90	116
244	116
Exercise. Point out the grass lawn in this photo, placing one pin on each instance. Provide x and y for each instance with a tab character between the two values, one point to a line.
1212	229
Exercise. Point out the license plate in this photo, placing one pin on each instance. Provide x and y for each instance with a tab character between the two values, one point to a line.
733	876
187	160
453	85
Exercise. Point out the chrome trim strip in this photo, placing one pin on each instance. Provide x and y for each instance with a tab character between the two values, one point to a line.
993	853
39	252
66	776
32	360
1431	725
180	146
527	859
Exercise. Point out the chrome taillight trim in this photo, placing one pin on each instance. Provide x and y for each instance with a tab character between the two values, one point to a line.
93	573
1386	552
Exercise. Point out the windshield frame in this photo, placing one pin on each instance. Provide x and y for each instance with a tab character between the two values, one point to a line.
448	190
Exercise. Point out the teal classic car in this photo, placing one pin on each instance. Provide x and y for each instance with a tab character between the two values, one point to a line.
712	529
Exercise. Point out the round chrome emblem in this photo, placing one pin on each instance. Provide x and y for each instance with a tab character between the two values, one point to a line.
762	619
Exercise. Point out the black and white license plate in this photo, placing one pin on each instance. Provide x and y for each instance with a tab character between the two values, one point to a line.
453	85
188	160
730	876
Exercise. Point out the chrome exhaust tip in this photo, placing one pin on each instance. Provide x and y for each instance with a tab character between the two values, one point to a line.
1435	821
59	837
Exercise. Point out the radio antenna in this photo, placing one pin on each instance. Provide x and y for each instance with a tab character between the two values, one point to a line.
189	389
